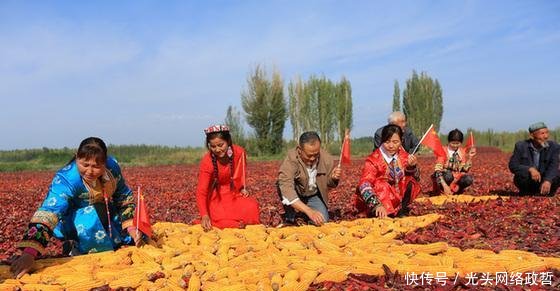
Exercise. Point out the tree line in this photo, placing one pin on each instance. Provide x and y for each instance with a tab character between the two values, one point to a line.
317	103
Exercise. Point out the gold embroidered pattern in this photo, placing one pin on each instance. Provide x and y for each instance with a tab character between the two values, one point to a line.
31	244
46	218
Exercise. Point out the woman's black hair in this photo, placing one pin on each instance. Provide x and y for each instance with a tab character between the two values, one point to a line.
92	147
455	135
388	131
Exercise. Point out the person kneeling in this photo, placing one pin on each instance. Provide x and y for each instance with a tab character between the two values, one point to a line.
389	179
451	172
305	178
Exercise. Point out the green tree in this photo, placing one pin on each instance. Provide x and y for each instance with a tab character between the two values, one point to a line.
265	109
322	100
296	92
396	97
233	120
422	102
344	106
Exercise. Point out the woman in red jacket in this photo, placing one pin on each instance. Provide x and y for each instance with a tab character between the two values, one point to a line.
389	179
221	195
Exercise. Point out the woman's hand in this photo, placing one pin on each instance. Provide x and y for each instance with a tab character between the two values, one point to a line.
446	189
472	152
206	223
381	211
412	160
244	192
22	265
136	235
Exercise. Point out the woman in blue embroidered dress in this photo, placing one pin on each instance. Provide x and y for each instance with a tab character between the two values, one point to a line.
88	206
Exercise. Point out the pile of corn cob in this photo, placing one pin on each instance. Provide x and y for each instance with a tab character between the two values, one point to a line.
258	258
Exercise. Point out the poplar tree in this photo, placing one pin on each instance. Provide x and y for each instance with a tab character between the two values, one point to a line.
233	120
344	106
296	92
396	97
265	108
422	103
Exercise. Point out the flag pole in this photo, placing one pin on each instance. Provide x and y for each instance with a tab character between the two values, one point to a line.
243	173
138	214
342	147
424	136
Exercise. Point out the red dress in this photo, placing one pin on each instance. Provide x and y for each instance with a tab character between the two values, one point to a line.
224	204
377	178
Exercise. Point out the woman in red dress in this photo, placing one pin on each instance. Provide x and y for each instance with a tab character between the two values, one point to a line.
221	195
389	179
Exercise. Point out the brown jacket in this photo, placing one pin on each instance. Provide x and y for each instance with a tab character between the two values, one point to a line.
293	178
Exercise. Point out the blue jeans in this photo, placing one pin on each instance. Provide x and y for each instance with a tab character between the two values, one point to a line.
315	202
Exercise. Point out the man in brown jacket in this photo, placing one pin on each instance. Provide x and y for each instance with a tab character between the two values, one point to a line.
305	178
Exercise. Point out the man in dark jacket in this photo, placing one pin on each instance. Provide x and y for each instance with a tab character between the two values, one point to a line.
409	141
534	163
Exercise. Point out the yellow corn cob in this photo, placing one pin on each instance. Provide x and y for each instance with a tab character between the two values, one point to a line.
276	281
10	284
368	269
308	265
552	263
41	287
236	287
31	279
264	285
528	266
131	281
308	277
335	275
337	240
194	283
83	285
325	246
290	276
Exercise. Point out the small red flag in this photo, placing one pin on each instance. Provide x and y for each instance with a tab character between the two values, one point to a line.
142	217
240	171
345	154
432	141
470	142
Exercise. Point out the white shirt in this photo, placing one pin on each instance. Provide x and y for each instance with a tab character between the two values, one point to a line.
388	158
311	185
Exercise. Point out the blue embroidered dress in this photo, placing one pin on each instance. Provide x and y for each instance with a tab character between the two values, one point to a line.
73	210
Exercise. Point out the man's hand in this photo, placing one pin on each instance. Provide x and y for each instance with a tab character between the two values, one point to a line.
315	216
535	175
545	188
22	265
412	160
381	211
206	223
336	172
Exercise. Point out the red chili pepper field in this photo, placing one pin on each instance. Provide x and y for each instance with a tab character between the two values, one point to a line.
518	223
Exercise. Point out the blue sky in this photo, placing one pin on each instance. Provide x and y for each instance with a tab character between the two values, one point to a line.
158	72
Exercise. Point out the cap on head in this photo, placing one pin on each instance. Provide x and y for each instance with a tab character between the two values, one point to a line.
216	128
536	126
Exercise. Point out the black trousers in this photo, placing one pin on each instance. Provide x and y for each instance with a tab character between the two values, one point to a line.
528	186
